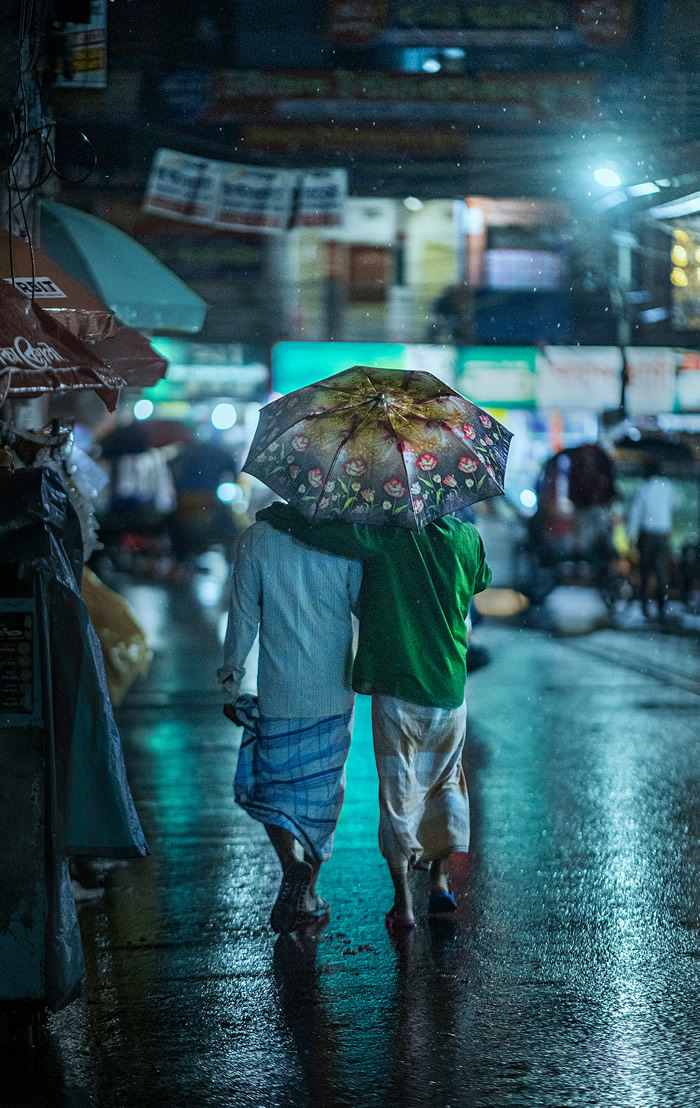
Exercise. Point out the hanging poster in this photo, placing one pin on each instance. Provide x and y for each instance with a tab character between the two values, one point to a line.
253	198
182	186
321	199
244	197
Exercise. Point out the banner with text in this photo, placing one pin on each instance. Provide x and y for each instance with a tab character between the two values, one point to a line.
243	197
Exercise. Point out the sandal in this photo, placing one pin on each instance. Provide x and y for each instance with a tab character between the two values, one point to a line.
441	901
393	923
295	882
322	909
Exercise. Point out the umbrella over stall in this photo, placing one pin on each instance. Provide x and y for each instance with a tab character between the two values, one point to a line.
379	446
141	291
80	311
38	355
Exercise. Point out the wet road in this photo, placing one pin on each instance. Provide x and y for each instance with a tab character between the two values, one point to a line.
570	976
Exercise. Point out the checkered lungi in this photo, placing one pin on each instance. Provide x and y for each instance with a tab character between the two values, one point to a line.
423	800
291	773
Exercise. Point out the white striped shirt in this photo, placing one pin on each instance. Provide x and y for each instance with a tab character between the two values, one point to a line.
300	599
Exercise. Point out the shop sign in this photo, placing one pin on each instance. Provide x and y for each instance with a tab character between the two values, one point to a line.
296	364
584	378
498	375
316	139
83	62
441	361
39	288
345	96
651	380
688	380
496	15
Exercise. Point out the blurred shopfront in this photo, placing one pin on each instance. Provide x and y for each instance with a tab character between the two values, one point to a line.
553	398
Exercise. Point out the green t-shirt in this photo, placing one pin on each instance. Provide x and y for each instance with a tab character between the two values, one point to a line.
416	590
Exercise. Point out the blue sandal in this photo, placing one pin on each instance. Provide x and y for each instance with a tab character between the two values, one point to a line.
440	902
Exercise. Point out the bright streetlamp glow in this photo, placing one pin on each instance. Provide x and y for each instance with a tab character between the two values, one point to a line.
143	409
413	203
608	177
223	416
528	498
432	65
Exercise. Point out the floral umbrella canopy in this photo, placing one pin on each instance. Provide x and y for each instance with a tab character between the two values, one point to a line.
379	446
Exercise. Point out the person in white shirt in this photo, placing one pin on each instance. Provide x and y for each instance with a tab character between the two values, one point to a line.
296	732
650	522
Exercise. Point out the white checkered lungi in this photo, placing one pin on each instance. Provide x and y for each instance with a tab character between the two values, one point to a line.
423	799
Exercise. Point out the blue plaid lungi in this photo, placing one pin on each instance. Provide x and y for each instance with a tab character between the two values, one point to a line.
291	772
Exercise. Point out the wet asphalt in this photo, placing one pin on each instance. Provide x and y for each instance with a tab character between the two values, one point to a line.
569	976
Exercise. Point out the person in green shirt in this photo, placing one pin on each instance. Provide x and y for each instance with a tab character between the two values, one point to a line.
412	659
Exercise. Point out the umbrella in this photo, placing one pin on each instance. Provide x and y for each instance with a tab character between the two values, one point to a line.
142	435
35	274
379	446
133	283
38	355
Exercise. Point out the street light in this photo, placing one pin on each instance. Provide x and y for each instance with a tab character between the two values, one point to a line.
608	177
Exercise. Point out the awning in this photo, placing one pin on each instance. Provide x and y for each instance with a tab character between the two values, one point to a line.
125	351
132	282
38	355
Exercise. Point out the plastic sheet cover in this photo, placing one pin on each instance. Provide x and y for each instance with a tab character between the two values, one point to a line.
95	812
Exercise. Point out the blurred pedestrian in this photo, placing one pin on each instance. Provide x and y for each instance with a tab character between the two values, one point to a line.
650	522
296	733
417	587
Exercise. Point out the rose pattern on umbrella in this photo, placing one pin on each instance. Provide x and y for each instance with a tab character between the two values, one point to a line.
467	465
432	478
426	462
394	487
355	467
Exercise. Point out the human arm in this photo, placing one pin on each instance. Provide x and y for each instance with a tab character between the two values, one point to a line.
346	540
482	578
243	618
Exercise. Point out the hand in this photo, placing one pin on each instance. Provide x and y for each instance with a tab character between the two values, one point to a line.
230	713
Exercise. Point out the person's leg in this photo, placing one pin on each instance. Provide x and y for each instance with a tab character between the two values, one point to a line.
403	900
296	876
312	901
438	876
644	573
661	562
284	843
